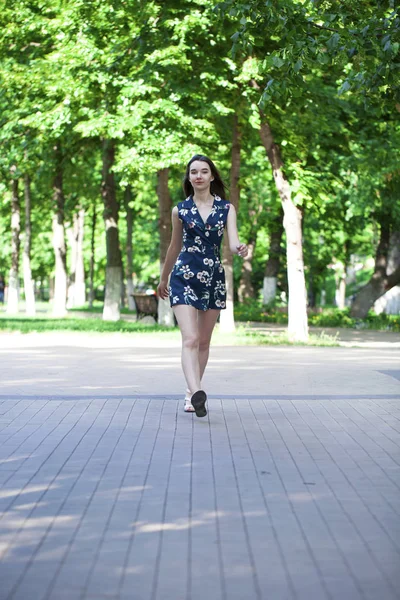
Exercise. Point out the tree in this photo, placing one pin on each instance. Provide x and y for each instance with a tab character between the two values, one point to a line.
28	282
13	283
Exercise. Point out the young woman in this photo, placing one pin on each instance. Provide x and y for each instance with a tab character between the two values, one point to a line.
197	284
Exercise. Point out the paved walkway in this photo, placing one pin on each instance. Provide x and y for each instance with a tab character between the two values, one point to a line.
289	489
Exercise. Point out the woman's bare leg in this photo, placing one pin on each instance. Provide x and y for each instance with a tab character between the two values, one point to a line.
206	321
187	321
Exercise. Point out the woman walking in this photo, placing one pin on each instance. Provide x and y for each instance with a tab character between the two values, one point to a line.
197	284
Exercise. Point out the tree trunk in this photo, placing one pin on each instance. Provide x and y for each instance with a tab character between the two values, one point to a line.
71	232
123	286
92	256
246	288
111	310
60	282
80	288
273	263
227	322
129	248
165	313
297	309
28	282
386	273
13	280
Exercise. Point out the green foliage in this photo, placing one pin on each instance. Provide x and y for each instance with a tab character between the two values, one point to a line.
159	78
330	317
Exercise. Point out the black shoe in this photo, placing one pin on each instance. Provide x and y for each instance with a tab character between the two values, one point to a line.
199	400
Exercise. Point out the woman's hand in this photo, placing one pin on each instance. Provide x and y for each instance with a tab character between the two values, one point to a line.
242	250
162	290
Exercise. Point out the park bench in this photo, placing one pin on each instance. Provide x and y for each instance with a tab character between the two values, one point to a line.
146	305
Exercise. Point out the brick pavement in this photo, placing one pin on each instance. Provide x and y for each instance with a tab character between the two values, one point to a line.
290	495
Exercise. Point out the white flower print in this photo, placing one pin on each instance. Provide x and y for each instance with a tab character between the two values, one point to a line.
220	288
220	303
187	273
208	261
197	239
204	277
189	293
183	211
175	299
193	210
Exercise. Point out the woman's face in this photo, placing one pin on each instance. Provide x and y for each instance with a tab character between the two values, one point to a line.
200	175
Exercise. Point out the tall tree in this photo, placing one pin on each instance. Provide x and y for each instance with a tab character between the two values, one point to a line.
60	277
227	322
165	314
28	282
297	306
111	310
270	281
129	246
13	280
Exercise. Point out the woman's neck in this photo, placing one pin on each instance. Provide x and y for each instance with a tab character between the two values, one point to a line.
203	197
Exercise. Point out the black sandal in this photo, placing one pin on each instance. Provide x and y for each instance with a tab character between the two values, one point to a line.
199	400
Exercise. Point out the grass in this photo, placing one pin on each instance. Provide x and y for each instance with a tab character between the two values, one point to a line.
77	321
95	325
243	336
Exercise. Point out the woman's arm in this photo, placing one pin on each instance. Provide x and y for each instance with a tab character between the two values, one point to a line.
234	244
174	248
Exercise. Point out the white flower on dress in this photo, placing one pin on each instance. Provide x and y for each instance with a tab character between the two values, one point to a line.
204	277
193	210
220	303
194	249
208	261
183	211
197	239
189	293
175	299
220	288
187	273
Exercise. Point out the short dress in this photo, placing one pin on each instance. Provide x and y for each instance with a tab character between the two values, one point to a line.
198	277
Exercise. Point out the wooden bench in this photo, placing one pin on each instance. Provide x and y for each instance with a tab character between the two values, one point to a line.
146	305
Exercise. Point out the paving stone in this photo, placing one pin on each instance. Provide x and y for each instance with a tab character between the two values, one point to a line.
292	495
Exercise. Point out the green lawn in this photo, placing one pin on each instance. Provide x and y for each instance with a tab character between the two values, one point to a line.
242	335
90	321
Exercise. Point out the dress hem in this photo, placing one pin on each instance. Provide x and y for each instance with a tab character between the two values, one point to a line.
197	308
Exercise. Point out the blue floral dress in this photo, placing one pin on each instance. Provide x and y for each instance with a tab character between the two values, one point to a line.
198	277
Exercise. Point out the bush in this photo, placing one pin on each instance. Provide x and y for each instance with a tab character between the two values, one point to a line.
330	317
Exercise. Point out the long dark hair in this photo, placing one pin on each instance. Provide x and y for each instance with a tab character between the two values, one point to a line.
217	187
